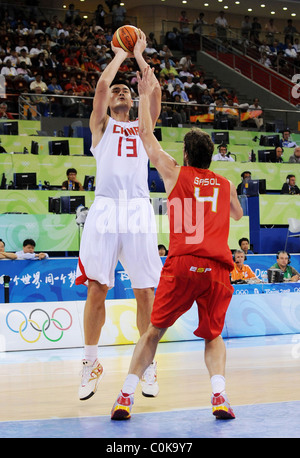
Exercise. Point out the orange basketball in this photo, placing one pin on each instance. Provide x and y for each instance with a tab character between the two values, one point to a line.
125	37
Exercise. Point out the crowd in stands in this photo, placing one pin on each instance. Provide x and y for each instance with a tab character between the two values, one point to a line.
58	65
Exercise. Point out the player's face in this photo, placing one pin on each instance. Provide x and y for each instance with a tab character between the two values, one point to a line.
120	97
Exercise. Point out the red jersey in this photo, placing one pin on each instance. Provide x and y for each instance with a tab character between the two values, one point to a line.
199	214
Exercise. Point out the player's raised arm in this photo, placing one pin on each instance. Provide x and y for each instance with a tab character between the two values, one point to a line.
155	100
236	211
102	94
163	162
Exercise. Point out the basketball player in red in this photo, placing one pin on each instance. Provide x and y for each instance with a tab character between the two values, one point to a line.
111	231
200	204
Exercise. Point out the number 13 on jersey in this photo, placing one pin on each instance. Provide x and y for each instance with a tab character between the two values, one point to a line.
127	147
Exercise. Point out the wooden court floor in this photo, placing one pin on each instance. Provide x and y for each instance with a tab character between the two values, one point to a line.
42	385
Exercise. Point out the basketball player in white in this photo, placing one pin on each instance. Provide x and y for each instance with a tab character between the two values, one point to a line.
120	224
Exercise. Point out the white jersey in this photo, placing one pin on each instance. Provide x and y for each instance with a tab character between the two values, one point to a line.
121	162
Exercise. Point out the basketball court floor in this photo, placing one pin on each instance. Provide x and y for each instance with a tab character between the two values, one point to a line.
38	393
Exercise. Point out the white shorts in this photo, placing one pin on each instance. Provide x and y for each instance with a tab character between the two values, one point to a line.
124	231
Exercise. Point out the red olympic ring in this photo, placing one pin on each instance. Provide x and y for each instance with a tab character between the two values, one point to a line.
54	322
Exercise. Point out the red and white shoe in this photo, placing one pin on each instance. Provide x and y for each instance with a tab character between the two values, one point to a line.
91	374
122	407
220	407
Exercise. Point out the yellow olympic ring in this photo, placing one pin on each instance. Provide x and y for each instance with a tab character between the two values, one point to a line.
29	341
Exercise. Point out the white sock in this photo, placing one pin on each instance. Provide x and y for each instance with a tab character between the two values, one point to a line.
217	383
130	384
91	352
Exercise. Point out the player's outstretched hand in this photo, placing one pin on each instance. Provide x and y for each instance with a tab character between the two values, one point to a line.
146	81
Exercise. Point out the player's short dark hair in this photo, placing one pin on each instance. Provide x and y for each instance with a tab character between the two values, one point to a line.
199	148
119	82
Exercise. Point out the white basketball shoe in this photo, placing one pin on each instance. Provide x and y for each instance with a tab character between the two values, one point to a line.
91	374
149	383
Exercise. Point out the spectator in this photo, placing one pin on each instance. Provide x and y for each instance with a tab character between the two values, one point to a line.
246	176
25	73
118	15
295	158
259	119
283	261
6	255
38	83
24	58
221	25
3	112
245	244
241	272
246	28
198	24
28	252
183	97
8	70
290	187
270	30
222	155
184	23
290	51
255	31
285	141
72	182
162	250
276	156
290	31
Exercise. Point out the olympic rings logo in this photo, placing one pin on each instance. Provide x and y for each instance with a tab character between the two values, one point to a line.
40	329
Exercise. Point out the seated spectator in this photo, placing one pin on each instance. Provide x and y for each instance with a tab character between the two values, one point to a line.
167	70
23	57
246	176
291	52
202	85
264	60
72	182
41	101
6	255
162	250
28	252
276	155
54	87
295	158
71	63
24	73
3	112
283	260
285	141
290	186
183	97
38	83
241	272
258	120
245	245
172	81
8	70
222	154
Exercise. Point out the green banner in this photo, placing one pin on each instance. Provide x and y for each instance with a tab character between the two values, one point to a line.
17	143
35	202
276	209
50	232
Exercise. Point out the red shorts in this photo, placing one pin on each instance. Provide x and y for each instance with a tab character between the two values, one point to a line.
185	279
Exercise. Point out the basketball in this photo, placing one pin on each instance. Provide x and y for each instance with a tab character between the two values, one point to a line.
125	37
